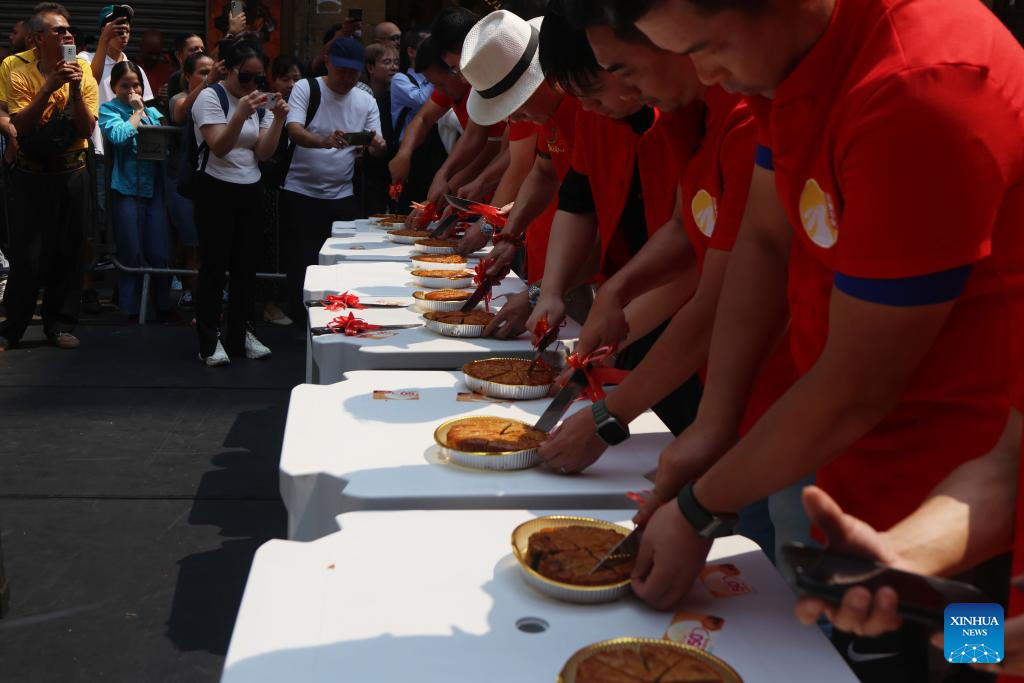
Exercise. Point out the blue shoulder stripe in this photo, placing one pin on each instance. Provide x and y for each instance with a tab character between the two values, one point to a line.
923	290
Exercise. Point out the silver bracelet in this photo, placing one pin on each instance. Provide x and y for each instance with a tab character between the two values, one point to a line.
486	229
533	292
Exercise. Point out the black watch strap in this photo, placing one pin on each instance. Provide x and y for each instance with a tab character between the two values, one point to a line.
611	431
708	525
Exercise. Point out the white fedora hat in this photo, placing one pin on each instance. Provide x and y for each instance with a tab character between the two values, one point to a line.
501	61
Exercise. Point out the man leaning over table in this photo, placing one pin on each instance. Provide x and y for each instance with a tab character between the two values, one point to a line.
478	145
619	193
715	181
890	273
500	46
54	106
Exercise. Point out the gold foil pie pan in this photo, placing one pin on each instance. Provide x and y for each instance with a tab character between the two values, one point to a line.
564	592
511	460
725	672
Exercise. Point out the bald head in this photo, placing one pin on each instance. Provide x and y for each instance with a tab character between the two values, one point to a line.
387	33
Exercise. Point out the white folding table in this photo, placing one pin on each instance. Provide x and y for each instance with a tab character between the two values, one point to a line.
369	245
436	597
346	450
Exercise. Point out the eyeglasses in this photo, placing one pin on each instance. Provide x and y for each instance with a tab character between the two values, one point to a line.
246	77
397	38
64	30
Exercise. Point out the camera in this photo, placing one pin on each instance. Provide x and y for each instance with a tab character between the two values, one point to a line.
69	52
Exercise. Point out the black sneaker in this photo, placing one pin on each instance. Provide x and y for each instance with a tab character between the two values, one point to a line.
91	302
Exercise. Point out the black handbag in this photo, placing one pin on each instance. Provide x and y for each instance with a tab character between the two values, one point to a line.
51	139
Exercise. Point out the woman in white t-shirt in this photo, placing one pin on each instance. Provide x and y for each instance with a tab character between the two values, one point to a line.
228	196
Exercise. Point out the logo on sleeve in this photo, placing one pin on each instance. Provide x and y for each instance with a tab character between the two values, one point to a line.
705	212
973	633
818	214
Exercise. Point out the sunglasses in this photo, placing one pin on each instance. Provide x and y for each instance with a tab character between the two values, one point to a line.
64	30
246	77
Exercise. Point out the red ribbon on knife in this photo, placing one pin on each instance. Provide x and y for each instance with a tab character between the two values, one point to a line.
395	190
480	274
340	302
596	377
350	326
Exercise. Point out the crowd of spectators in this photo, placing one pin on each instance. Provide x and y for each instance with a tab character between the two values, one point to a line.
250	146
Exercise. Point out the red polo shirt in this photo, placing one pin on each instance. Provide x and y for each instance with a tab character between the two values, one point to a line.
554	141
459	107
607	151
896	159
716	182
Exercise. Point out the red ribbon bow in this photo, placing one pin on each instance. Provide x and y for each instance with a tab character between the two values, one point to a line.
340	302
429	213
489	213
596	377
350	326
478	279
395	190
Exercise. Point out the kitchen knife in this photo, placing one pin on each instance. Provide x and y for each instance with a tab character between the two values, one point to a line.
320	331
625	549
563	399
319	303
441	229
478	295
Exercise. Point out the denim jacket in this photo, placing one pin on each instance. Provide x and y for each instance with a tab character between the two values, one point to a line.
122	136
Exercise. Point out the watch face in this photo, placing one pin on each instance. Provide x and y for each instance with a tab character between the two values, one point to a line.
611	432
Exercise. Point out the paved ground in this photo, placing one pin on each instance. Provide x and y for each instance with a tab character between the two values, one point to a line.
135	486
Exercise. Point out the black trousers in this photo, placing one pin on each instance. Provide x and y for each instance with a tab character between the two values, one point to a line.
309	225
229	219
426	160
52	213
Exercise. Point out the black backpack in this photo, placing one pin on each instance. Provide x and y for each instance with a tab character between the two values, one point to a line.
289	152
192	149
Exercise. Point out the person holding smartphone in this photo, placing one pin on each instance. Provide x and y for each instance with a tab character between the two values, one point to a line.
317	189
231	122
54	106
136	193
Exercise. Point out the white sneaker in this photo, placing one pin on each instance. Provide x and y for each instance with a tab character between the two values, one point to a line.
254	348
217	358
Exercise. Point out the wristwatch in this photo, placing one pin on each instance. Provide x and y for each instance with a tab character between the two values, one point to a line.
708	525
611	431
534	294
486	228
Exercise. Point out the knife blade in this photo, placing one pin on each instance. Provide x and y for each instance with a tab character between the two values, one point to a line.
320	331
444	225
478	295
460	203
626	548
563	399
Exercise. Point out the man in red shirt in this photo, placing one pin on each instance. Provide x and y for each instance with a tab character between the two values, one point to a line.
897	302
495	50
714	187
473	151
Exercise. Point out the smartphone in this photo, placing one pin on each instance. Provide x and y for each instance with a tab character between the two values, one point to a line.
355	14
361	139
828	575
69	53
237	7
271	100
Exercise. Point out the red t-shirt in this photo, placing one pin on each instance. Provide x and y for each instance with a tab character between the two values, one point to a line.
459	107
520	130
716	183
607	151
891	157
554	141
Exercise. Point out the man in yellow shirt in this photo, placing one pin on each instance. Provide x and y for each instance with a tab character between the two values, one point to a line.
53	105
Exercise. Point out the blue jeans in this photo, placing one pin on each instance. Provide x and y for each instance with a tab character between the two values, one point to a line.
143	236
182	212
